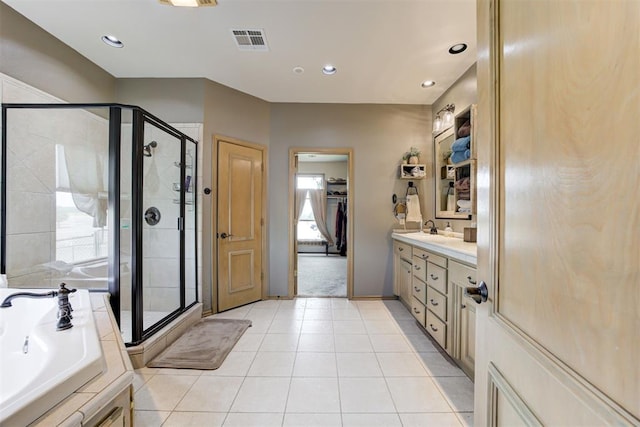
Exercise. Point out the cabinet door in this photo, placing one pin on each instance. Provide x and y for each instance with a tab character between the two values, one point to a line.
467	340
405	282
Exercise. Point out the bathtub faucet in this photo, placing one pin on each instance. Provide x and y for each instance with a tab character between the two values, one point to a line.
64	308
7	301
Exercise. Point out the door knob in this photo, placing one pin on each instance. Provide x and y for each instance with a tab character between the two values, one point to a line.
477	293
224	235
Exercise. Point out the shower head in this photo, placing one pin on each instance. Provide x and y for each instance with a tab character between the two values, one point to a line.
146	149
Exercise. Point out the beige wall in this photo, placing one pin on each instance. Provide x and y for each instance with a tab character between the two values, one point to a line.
33	56
379	135
462	93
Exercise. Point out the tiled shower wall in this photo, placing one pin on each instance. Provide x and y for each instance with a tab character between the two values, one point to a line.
31	203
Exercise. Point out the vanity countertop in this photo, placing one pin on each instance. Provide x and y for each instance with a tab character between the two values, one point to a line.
451	247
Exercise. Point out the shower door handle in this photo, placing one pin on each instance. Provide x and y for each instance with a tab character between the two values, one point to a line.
152	216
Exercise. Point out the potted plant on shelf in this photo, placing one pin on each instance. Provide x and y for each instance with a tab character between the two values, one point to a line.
412	156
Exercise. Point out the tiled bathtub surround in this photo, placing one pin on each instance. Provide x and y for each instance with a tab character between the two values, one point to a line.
323	362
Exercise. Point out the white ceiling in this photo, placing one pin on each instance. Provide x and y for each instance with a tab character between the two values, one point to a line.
383	50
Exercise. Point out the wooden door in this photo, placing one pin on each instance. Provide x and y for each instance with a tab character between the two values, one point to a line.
239	229
558	341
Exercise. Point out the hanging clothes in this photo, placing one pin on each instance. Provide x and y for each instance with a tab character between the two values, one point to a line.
343	246
338	227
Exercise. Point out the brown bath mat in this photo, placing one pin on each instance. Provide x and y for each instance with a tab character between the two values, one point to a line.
204	346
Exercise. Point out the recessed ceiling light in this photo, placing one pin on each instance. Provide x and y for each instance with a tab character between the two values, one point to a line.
329	70
112	41
427	83
457	48
298	70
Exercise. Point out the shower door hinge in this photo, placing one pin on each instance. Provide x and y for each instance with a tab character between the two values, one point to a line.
295	273
180	223
262	222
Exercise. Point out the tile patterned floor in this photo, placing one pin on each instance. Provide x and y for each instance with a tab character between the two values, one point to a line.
315	362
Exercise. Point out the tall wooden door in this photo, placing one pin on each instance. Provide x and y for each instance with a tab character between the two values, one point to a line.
240	224
558	341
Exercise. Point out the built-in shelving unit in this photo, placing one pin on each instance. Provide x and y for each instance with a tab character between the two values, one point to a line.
456	174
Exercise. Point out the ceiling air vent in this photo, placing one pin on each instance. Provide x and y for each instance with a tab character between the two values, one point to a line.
250	39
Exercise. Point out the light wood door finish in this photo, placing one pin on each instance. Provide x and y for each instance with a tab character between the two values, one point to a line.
558	212
240	176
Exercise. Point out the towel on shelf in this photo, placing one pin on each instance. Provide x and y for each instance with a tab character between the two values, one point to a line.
413	208
463	184
465	129
460	156
461	144
464	204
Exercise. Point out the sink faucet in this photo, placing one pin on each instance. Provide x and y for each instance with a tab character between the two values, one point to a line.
433	229
64	308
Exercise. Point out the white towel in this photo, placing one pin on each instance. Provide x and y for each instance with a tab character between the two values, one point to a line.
465	204
413	208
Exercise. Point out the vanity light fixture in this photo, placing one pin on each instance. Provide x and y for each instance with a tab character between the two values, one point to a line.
457	48
329	70
112	41
446	120
427	83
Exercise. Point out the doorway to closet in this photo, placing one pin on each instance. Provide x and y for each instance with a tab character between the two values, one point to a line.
321	252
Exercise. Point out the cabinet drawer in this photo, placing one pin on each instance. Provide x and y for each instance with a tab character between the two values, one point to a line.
437	329
402	249
437	278
430	256
419	290
418	311
461	274
420	268
437	303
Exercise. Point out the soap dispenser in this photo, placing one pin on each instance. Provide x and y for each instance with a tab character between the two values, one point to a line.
448	231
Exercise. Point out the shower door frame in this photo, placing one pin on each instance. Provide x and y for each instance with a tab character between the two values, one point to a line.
139	117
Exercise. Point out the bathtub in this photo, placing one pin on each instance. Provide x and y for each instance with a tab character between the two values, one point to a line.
55	364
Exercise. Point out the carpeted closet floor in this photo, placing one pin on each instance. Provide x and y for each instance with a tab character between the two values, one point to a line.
322	276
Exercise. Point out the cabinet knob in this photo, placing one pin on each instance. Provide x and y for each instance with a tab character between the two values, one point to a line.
463	306
415	310
479	294
425	256
416	267
433	303
470	279
416	288
434	277
400	249
434	329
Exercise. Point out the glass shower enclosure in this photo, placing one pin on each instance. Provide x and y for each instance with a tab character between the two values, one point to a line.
101	196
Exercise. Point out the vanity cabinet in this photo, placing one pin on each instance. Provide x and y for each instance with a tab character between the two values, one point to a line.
431	285
460	277
455	172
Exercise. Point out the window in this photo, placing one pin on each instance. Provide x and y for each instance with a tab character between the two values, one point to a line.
307	227
78	238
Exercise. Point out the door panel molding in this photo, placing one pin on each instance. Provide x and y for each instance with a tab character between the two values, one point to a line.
499	384
250	283
595	402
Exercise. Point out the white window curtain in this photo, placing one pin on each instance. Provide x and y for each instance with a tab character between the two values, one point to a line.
86	178
319	208
301	195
